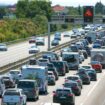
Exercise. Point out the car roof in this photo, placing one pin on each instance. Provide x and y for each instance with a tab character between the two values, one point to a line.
27	80
72	76
63	88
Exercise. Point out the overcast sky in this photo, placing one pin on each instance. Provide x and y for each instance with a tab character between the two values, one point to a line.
62	2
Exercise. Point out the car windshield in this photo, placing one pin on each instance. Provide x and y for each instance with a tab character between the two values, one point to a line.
14	72
60	64
11	93
72	78
95	62
25	84
33	47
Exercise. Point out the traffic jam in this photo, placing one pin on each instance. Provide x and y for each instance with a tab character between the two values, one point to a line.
33	79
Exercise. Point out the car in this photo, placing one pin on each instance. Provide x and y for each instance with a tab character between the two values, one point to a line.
78	34
3	47
30	88
16	75
55	72
79	45
51	78
84	76
82	56
92	74
74	48
85	54
57	36
73	36
66	34
55	42
75	30
40	41
33	49
42	62
74	87
8	81
60	67
32	61
74	78
64	95
97	66
14	96
32	40
96	45
53	55
66	49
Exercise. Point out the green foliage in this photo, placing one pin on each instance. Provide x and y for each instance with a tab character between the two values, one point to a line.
3	12
29	9
99	8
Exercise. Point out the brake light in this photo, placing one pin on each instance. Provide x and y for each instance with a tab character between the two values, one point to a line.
78	81
66	80
21	99
54	94
70	95
75	87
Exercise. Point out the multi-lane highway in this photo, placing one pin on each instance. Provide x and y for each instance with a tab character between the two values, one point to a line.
19	51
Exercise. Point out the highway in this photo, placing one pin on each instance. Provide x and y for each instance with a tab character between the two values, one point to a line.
18	51
92	94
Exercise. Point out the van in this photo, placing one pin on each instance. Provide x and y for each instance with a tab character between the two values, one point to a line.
72	59
30	88
51	104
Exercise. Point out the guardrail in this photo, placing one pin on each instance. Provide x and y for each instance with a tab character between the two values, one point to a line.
21	62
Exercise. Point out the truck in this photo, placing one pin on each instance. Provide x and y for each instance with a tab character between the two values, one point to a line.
39	73
72	59
98	55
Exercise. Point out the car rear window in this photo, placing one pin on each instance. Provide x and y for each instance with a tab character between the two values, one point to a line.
25	84
72	78
61	91
11	93
70	84
59	64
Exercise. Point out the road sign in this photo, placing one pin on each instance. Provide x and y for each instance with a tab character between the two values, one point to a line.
88	14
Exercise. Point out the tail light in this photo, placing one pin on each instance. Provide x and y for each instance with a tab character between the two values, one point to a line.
54	94
66	80
21	99
70	95
78	81
75	87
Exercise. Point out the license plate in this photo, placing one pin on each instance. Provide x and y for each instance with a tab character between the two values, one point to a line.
63	97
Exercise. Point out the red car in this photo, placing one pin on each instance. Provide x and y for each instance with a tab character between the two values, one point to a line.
32	40
97	66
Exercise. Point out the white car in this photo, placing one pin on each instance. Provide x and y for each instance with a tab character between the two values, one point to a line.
40	41
16	74
13	97
66	34
33	49
3	47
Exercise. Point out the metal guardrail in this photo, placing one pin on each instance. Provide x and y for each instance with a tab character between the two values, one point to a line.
21	62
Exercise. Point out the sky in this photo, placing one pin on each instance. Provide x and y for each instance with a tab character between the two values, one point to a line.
62	2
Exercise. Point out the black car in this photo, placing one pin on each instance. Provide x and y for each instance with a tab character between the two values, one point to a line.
55	42
64	96
74	86
85	54
84	77
92	74
60	67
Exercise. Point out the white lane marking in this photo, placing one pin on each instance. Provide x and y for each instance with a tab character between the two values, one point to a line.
92	91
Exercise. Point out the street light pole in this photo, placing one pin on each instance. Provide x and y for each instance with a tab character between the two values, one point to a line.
48	36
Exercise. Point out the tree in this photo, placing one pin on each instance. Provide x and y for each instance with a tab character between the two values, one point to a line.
79	10
2	12
99	8
31	8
